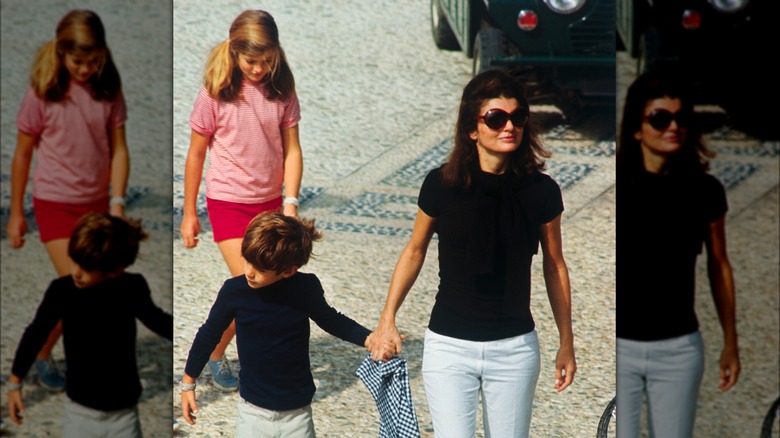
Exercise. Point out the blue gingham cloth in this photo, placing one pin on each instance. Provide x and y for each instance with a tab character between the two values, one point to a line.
388	383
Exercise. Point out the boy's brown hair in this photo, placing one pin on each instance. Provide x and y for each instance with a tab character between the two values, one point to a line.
104	243
275	242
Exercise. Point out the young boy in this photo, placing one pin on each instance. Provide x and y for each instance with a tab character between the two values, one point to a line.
271	304
98	305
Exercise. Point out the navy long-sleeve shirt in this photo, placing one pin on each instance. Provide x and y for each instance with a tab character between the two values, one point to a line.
272	337
99	337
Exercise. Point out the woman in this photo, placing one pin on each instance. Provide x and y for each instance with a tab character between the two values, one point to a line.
491	207
667	206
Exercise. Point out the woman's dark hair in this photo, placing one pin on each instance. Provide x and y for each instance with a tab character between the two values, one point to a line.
656	84
487	85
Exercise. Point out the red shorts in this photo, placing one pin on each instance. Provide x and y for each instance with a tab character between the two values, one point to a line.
56	219
229	219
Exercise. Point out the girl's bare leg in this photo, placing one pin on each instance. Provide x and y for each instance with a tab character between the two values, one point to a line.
58	253
231	252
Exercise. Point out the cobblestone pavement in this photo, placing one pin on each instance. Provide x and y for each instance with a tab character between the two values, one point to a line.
378	108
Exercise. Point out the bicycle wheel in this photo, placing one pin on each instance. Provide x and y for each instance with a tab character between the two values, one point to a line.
607	417
771	417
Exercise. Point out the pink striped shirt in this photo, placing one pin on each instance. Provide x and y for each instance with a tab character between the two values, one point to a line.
246	156
73	165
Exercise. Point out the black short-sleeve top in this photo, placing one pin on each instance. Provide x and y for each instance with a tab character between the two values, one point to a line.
487	236
662	221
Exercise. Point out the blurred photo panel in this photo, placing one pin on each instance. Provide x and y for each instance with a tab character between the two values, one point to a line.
698	318
86	272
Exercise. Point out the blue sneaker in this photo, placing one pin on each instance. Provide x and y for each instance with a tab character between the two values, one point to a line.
175	425
49	376
221	376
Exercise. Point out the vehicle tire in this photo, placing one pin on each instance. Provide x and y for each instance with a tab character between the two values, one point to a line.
649	50
771	417
606	417
440	29
489	44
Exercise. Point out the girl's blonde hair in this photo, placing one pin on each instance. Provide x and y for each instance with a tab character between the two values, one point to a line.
80	32
252	33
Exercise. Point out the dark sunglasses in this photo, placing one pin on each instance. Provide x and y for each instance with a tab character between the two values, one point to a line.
497	118
661	119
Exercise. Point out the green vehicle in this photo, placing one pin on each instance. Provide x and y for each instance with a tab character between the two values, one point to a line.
726	49
564	50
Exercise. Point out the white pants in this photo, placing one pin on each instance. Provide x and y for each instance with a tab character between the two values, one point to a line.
82	422
505	372
254	421
670	371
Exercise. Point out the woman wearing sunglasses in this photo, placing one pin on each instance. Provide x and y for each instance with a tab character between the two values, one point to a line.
668	207
491	207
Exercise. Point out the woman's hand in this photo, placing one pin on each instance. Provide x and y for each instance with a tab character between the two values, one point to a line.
556	278
16	229
565	367
721	279
383	350
385	342
190	228
188	406
729	367
386	339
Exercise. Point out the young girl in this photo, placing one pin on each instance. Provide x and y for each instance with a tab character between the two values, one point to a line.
74	115
668	208
246	115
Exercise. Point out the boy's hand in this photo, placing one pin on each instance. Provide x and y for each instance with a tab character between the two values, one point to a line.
386	352
384	342
15	406
188	406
